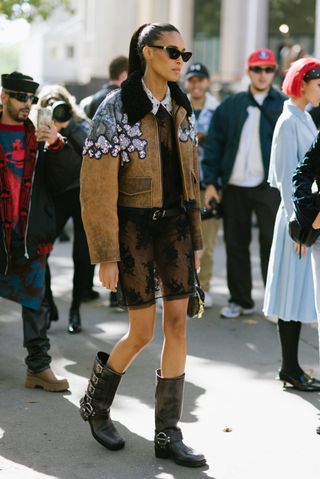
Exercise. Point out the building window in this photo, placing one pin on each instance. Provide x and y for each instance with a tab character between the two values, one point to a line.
70	51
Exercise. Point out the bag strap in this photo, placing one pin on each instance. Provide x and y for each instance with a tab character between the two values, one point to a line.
263	111
197	278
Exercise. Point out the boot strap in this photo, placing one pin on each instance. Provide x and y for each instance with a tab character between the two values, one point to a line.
170	436
89	408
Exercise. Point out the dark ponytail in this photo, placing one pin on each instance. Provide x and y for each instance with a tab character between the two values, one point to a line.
136	61
145	35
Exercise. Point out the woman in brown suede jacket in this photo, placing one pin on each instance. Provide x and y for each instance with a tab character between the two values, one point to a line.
140	208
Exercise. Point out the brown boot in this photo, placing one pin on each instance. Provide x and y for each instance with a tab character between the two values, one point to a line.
46	380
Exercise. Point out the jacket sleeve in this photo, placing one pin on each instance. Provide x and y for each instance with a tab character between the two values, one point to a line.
283	161
99	187
194	212
62	169
213	149
306	204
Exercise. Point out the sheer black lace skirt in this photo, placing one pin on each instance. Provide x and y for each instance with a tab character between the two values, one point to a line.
157	258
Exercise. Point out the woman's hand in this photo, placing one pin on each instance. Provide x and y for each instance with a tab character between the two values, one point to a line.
316	223
47	133
211	193
197	261
108	275
300	249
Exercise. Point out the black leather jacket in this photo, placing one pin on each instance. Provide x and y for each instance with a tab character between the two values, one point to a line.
307	203
63	173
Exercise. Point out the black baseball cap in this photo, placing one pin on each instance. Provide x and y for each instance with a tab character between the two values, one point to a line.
197	70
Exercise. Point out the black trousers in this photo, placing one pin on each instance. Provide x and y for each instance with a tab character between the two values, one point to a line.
67	205
35	339
238	205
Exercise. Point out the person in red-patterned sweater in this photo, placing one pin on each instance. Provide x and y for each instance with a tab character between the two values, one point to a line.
27	223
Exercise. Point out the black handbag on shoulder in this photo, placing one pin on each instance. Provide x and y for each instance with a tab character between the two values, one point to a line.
196	301
303	236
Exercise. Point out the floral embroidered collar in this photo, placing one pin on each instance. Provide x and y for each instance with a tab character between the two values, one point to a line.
166	102
136	102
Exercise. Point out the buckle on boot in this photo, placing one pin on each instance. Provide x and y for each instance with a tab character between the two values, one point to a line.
86	409
162	440
98	368
91	389
94	379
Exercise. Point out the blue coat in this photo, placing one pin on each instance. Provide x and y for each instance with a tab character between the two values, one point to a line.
289	290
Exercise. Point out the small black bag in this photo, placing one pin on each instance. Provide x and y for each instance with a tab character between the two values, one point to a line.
300	235
196	301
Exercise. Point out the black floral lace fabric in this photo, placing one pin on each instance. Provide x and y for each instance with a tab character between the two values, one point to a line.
156	259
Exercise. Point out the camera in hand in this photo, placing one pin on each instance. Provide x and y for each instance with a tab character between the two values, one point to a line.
56	110
214	212
61	111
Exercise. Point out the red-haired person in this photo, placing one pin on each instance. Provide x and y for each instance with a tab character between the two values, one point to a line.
289	293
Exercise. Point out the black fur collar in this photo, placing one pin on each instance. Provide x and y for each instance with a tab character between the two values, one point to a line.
136	102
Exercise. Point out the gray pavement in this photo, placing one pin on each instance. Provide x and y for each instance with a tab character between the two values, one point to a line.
230	382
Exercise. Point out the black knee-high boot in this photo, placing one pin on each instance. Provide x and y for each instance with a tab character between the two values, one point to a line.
95	405
168	436
291	372
289	333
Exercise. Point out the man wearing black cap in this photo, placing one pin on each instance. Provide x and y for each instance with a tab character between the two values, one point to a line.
197	83
27	226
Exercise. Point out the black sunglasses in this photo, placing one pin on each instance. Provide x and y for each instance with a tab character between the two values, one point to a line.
262	69
173	52
23	97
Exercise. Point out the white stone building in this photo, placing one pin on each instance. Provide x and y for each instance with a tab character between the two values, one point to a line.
76	48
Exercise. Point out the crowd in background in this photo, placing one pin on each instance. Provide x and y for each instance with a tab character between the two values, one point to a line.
240	189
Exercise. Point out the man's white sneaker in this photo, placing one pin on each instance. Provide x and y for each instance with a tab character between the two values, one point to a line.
233	310
208	300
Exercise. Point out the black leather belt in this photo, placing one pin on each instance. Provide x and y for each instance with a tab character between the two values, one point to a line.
156	214
163	213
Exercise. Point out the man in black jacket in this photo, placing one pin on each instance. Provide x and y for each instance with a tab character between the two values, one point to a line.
27	223
118	72
236	161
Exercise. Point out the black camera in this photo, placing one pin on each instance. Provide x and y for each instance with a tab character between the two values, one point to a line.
214	212
61	111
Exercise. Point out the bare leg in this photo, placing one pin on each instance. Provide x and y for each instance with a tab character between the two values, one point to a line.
140	333
173	358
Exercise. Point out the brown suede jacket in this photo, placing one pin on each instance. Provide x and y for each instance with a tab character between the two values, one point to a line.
122	165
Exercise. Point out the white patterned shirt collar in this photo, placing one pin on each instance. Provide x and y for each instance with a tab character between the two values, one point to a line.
166	102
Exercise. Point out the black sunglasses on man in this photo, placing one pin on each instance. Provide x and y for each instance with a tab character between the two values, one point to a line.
22	96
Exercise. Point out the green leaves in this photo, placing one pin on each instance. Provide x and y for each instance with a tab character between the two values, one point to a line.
32	9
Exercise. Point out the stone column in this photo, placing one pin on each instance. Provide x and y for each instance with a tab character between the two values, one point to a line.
317	31
257	26
243	29
232	39
181	16
145	11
